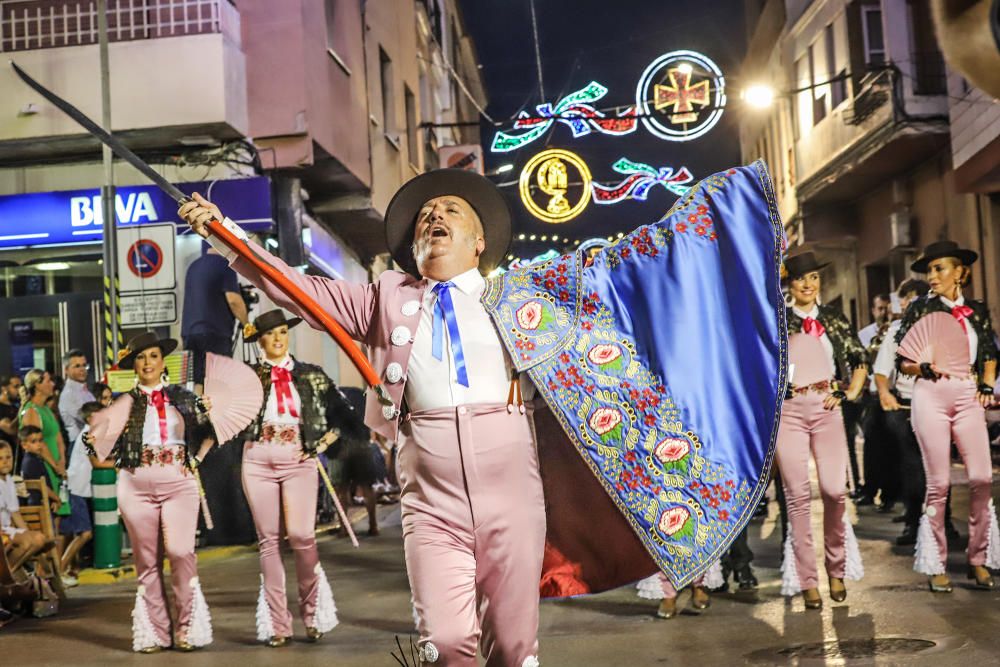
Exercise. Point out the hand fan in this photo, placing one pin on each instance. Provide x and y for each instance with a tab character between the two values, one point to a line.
810	358
938	339
107	425
235	393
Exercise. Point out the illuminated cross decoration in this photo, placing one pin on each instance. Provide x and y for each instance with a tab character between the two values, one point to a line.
681	95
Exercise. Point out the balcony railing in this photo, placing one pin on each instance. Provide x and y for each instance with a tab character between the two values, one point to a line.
46	24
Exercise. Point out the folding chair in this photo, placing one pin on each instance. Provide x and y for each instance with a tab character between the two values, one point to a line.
39	517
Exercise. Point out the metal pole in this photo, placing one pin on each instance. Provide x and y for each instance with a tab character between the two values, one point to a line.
111	332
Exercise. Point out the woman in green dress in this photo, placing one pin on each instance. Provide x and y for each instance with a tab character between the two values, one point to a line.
50	461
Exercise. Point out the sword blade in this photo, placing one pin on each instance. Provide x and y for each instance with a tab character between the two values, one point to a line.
120	149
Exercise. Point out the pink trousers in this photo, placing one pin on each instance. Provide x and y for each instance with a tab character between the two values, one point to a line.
277	483
943	412
159	503
806	428
473	516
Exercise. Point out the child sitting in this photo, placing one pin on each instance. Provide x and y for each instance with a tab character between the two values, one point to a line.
22	543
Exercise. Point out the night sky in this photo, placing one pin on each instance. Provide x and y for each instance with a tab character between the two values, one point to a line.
611	43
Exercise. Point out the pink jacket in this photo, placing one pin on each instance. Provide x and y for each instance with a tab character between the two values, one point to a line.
383	315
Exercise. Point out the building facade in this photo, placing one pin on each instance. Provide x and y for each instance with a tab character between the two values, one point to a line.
860	140
325	101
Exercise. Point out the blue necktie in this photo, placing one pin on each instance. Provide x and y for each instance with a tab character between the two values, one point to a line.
444	312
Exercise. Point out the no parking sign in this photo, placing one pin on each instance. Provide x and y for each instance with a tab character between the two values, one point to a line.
146	258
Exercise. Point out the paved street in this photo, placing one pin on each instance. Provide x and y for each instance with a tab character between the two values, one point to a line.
910	626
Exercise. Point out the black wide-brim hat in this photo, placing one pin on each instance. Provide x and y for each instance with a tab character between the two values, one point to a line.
480	192
801	263
940	249
140	343
264	322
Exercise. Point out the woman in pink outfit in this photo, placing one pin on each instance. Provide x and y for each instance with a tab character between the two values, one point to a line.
812	423
167	435
951	409
659	587
279	473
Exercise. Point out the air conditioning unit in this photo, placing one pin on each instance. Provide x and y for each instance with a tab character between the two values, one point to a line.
900	228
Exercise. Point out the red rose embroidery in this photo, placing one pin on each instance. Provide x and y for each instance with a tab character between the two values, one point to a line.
674	521
603	420
672	449
604	354
529	316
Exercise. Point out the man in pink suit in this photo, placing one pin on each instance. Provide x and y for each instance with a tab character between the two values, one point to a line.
473	510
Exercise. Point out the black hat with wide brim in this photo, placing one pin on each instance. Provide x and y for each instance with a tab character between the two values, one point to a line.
267	321
480	192
940	249
801	263
143	342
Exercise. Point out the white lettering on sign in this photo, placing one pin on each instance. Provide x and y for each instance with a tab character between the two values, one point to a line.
136	207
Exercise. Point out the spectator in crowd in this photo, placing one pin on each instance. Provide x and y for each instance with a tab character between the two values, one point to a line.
49	461
23	543
10	387
881	305
37	460
102	394
212	302
74	393
881	480
81	465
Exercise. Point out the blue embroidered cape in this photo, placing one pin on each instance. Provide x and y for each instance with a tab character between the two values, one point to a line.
663	360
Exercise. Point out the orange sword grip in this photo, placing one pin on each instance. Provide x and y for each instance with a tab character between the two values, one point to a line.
306	302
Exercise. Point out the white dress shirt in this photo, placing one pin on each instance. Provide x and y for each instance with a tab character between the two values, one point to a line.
80	468
970	331
8	505
868	334
151	427
885	363
433	383
71	399
271	414
824	339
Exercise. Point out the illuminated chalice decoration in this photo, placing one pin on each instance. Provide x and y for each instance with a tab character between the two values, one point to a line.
547	181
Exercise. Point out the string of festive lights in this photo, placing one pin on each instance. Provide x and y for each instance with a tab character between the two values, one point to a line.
575	110
639	180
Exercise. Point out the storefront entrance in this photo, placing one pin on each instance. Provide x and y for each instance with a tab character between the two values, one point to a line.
50	306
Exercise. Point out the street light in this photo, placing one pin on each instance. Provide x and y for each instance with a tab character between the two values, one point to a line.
759	96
